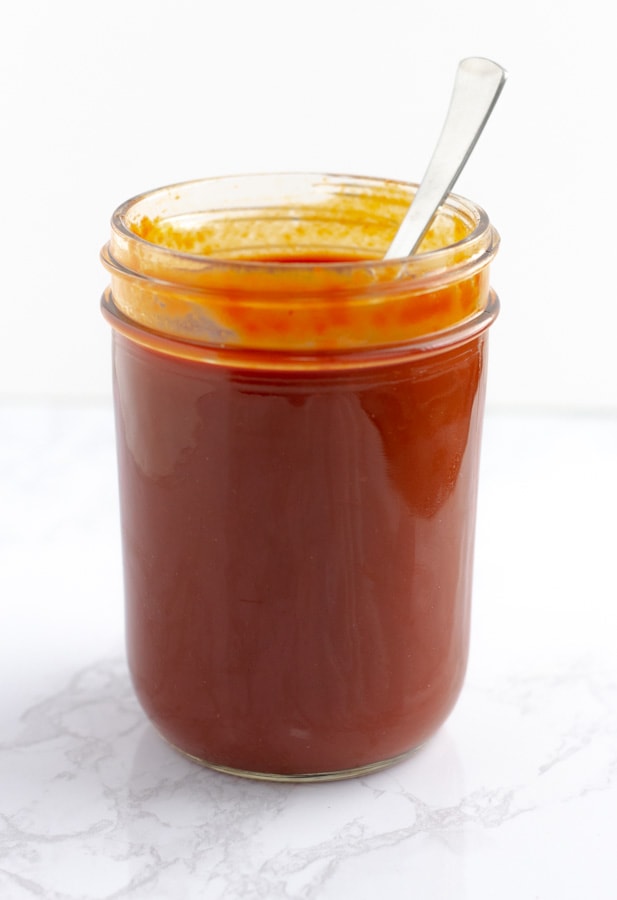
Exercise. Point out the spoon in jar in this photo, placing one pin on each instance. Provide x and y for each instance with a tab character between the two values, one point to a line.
477	86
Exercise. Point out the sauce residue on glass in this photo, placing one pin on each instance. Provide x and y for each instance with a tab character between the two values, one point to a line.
323	300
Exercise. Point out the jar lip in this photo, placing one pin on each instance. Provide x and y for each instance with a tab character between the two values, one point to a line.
294	261
436	259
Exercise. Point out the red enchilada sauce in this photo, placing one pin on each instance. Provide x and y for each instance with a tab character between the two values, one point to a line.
298	536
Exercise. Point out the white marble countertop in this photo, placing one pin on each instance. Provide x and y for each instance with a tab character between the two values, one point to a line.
516	796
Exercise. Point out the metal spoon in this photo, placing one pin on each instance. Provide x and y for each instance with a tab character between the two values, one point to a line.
477	86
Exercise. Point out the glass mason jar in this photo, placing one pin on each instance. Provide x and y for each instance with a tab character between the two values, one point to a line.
298	431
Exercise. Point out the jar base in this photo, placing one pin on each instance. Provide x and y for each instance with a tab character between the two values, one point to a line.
301	777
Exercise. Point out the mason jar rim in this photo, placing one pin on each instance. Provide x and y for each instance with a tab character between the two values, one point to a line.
299	265
468	209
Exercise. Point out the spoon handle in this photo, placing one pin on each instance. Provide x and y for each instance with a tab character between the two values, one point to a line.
477	86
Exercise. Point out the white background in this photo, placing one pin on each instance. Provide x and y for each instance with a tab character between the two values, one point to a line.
101	101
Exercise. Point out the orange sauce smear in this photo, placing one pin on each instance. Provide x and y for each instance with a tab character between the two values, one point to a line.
302	300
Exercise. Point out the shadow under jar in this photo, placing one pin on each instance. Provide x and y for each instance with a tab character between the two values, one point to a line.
298	431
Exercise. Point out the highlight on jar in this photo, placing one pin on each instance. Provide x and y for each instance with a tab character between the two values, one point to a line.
298	421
